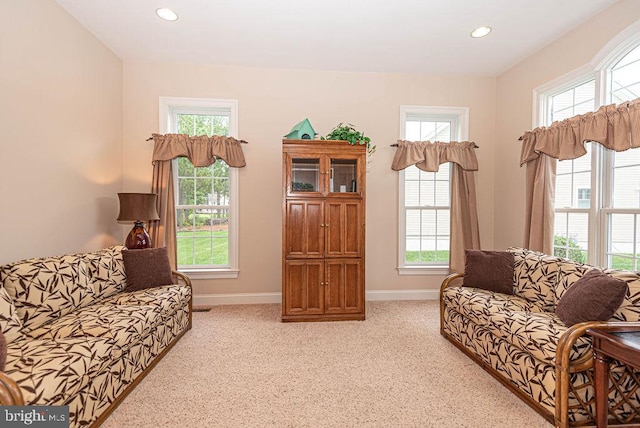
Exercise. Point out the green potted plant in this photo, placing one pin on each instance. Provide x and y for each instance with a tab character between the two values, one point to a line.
346	131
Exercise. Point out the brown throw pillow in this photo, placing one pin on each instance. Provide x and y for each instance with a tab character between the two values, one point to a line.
147	268
594	297
489	270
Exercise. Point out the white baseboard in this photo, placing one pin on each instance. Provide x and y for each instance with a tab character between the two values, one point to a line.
374	295
253	298
235	299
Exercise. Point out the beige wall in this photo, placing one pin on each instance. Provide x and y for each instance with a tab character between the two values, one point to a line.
514	99
61	145
270	102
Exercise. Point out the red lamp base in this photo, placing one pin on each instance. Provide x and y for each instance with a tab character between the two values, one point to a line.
138	238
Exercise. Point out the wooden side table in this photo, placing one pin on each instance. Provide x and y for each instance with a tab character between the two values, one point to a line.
619	343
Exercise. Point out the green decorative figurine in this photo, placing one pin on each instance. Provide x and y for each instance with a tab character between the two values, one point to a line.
302	131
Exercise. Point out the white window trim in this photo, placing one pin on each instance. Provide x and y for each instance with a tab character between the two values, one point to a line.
461	134
167	105
597	70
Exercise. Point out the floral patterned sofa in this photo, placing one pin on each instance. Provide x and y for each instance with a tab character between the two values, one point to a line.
76	337
521	341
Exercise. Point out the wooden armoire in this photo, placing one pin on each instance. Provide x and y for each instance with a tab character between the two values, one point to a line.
323	230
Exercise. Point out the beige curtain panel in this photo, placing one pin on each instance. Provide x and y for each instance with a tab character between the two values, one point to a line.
540	194
616	127
163	231
201	151
428	156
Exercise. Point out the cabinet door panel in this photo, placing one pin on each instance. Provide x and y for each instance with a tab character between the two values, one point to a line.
343	172
344	286
353	228
304	290
306	174
304	233
345	229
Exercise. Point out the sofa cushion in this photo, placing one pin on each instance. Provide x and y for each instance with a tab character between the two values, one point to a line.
478	304
106	270
3	352
534	333
124	326
147	268
594	297
169	297
535	276
10	324
50	372
489	270
512	319
46	288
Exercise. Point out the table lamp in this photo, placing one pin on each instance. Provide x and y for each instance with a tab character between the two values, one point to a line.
138	208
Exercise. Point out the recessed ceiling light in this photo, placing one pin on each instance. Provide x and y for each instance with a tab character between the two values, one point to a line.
167	14
480	32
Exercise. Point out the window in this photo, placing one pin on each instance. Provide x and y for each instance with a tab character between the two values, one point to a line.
424	197
597	200
622	198
206	197
573	178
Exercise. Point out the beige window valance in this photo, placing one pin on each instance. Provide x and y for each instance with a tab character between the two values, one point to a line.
616	127
428	156
201	150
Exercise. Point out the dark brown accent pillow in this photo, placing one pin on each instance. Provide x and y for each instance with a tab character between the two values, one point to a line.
594	297
489	270
147	268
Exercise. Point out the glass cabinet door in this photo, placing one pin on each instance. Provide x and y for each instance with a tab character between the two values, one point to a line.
343	175
305	175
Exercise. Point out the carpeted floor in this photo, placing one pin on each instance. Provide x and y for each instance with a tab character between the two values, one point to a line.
241	367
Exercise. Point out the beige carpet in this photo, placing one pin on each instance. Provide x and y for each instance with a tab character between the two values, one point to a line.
241	367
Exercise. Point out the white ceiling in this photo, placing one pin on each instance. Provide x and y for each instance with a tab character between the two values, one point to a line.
416	36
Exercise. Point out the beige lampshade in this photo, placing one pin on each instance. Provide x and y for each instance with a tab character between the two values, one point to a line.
138	207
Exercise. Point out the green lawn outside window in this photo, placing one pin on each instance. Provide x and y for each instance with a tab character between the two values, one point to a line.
206	252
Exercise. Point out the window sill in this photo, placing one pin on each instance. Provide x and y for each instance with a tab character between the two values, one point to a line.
210	273
423	270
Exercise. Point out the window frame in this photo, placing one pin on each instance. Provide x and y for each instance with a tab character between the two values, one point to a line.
459	117
602	167
169	108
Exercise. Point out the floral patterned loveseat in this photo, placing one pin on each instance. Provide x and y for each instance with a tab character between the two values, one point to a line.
521	341
76	337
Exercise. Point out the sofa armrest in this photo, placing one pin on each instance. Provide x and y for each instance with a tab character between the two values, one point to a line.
447	282
565	366
10	393
181	277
